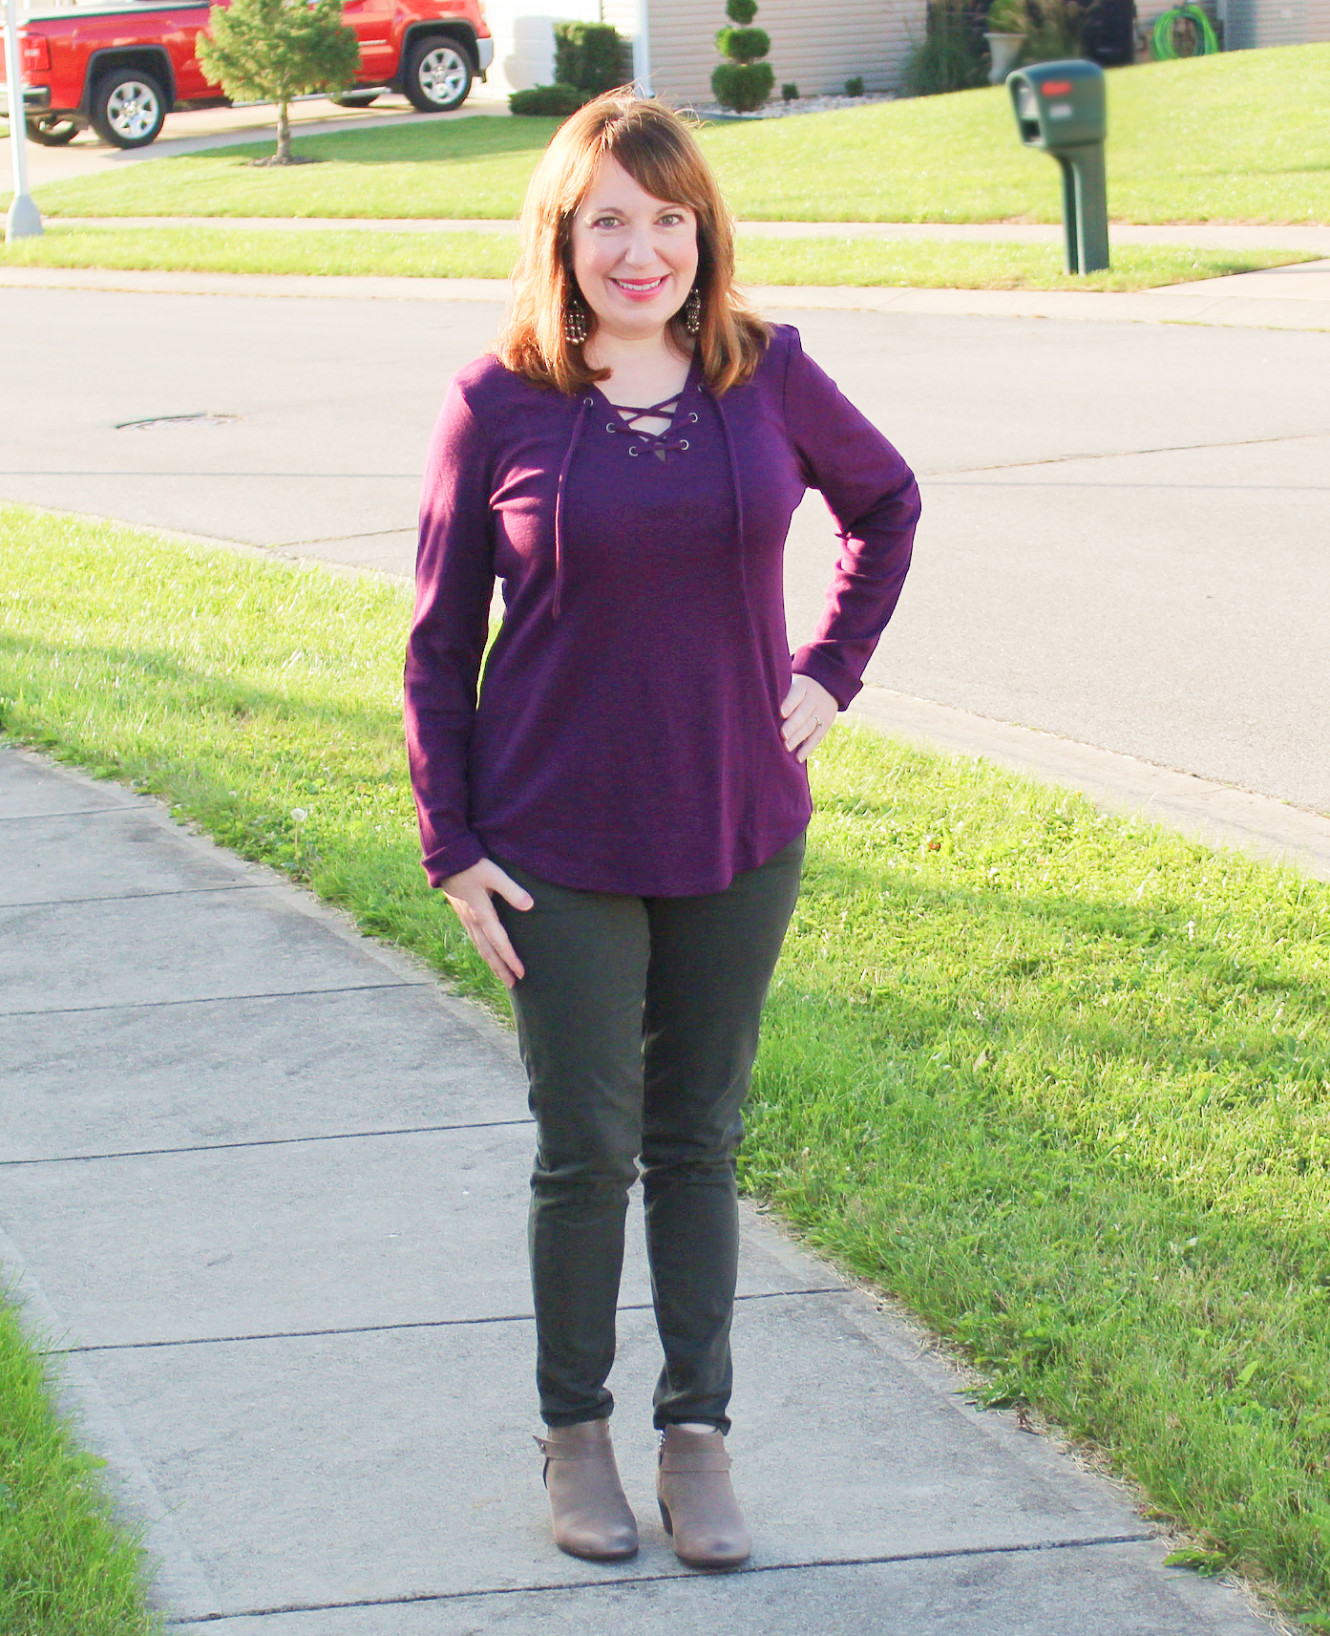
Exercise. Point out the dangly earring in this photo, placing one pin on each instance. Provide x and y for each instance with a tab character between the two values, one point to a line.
576	321
692	311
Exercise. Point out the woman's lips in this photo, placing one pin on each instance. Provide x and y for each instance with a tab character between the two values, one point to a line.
641	289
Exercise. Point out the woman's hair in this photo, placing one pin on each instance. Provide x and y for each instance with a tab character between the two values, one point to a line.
660	153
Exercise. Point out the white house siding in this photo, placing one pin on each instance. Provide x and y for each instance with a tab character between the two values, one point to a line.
816	45
523	33
1255	23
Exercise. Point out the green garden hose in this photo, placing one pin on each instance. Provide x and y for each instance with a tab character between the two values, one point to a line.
1162	42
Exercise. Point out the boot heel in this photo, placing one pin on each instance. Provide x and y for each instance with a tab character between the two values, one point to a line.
665	1518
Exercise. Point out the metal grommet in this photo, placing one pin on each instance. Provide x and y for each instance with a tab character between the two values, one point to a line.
609	425
683	442
588	402
693	418
632	448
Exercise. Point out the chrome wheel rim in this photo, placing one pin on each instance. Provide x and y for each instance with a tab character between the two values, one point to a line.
442	74
132	109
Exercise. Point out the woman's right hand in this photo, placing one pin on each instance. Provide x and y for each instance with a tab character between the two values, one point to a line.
469	891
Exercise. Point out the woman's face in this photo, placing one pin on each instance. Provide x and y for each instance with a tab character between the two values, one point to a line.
634	256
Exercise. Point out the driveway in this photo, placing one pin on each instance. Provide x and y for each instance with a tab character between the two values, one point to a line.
88	155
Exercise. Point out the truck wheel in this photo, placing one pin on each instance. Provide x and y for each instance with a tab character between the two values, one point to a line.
128	107
356	99
52	130
439	76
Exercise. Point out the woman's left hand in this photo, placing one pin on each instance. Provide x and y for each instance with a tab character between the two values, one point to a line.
809	711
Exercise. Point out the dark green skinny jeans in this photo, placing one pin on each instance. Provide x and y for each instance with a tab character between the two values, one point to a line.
638	1024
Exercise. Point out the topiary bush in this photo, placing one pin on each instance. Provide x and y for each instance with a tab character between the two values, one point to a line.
743	83
556	101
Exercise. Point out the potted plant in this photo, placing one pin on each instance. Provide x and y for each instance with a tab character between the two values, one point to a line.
1008	24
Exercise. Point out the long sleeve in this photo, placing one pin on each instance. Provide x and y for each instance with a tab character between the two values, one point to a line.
874	498
454	584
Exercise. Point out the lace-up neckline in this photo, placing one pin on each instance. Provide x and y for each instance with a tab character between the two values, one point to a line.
661	444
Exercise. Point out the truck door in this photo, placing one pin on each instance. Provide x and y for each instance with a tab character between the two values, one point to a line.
180	42
372	21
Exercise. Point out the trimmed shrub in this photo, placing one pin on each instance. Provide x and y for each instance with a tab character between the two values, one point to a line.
743	83
854	86
556	101
743	44
743	86
588	56
790	91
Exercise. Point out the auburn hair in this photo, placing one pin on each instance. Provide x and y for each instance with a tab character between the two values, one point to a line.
659	151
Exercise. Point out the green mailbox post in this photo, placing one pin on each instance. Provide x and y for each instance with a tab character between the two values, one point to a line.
1060	107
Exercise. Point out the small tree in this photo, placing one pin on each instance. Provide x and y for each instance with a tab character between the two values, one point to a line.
275	50
743	83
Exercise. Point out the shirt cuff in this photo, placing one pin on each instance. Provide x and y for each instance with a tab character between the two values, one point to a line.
452	859
839	682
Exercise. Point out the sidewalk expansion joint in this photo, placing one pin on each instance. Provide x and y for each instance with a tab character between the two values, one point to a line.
267	1141
134	897
888	1559
389	1329
216	999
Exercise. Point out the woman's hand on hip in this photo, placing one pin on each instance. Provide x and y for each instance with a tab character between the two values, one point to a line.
809	711
470	892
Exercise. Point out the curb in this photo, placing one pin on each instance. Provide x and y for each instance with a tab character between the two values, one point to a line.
1175	306
1217	814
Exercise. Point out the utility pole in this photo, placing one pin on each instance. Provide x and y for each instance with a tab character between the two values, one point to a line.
24	220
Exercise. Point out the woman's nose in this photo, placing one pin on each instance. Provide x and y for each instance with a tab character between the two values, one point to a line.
641	251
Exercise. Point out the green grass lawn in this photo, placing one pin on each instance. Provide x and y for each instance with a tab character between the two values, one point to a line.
345	251
65	1569
1240	137
1055	1078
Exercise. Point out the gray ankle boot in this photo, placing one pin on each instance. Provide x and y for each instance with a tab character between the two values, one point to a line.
697	1503
590	1514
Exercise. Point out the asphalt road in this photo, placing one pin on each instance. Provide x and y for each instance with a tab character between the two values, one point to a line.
1126	526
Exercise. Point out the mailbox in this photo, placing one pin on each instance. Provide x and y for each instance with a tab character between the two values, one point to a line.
1060	107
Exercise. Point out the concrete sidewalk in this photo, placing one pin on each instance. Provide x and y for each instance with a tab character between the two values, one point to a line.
265	1182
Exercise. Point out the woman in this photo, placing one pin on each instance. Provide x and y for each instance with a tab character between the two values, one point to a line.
618	821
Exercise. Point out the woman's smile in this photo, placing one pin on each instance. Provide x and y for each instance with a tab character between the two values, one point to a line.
640	289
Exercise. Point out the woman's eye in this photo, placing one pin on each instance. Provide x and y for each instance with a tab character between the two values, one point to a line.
605	221
673	219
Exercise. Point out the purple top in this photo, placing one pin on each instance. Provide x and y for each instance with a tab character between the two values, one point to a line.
627	736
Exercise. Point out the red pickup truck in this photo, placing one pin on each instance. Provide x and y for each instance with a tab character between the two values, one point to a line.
121	68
